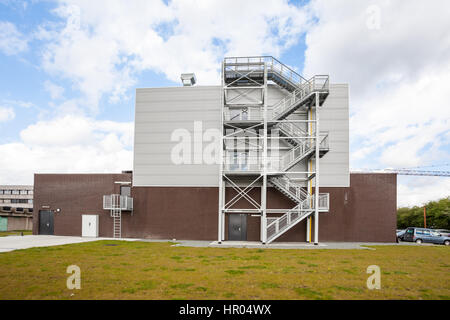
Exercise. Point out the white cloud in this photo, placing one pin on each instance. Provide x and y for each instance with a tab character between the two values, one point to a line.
55	91
419	190
12	41
103	46
70	144
398	69
6	114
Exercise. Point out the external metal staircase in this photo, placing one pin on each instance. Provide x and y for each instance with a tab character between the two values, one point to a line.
304	208
241	77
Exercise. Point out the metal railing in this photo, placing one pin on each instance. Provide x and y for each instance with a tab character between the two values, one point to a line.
294	189
242	162
117	201
256	64
318	83
276	226
244	114
291	130
299	152
324	202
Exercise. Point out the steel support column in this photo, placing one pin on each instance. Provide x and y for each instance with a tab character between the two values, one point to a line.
264	185
316	178
221	213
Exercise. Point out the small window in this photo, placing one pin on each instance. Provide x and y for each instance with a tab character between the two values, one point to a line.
15	192
23	192
427	232
125	191
30	191
7	191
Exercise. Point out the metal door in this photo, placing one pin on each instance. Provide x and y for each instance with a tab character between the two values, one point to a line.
46	222
3	224
89	227
237	227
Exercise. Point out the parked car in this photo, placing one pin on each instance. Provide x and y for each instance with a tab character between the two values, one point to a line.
443	232
400	234
421	235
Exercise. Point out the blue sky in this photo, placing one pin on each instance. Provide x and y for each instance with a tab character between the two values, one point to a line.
68	71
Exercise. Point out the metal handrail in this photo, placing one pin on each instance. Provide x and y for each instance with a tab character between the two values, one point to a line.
251	114
324	201
291	129
295	189
292	216
318	83
255	163
272	63
289	218
117	201
302	149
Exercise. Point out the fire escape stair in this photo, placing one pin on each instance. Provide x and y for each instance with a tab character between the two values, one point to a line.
278	226
248	72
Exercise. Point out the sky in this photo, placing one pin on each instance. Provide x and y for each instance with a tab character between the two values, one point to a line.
69	69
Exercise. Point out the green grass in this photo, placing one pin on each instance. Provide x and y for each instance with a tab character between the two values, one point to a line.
143	270
15	233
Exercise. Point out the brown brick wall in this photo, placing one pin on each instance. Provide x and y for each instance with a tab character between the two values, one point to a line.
75	195
364	212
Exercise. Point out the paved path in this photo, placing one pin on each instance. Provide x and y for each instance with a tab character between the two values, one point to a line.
24	242
282	245
292	245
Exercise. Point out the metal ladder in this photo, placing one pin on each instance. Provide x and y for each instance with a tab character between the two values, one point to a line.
117	226
116	214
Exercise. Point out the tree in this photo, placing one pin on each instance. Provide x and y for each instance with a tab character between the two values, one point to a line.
438	215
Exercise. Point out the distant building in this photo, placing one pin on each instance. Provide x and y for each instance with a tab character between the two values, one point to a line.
16	207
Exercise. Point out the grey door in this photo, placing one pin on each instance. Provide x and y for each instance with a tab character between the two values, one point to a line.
46	222
237	227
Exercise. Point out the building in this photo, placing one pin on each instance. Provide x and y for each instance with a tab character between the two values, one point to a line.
16	207
262	157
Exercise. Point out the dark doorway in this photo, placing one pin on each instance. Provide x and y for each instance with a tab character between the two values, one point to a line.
237	227
46	222
125	191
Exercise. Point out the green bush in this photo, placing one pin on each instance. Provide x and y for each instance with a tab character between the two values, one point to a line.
438	215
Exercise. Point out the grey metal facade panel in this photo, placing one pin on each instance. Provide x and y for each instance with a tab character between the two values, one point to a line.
159	113
334	118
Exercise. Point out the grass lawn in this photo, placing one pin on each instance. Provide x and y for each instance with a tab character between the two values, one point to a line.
142	270
15	233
